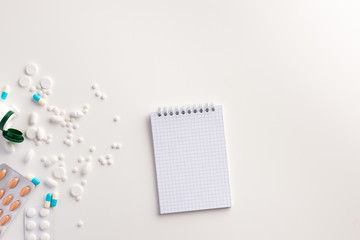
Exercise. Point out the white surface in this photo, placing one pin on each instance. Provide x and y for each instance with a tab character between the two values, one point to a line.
286	73
191	164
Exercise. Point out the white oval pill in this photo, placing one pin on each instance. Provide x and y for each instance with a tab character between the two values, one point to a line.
31	212
45	236
31	69
46	82
44	225
56	119
33	118
40	134
31	225
31	132
31	236
10	147
24	81
51	183
76	190
86	168
44	212
30	155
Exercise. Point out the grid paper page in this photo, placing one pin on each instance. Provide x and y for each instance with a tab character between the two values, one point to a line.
191	164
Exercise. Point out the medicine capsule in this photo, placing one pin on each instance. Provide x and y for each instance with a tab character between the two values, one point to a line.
13	183
5	92
4	220
39	99
7	200
33	179
2	174
48	200
25	191
55	198
14	205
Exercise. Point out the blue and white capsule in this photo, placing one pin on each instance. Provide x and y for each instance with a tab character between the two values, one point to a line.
54	199
5	92
33	179
48	200
39	99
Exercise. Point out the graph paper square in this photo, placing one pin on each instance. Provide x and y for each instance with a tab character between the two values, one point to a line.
191	163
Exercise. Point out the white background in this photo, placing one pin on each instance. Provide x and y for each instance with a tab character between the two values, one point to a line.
286	73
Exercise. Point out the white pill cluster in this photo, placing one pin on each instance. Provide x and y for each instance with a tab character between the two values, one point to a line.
116	145
98	93
106	160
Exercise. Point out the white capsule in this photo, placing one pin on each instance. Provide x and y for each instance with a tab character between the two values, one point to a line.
41	135
86	168
33	118
24	81
51	183
56	119
31	69
29	156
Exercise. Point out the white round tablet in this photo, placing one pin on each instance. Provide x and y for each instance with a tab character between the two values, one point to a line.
59	172
44	225
31	69
31	225
31	212
76	190
24	81
31	132
80	223
44	212
46	82
45	236
31	236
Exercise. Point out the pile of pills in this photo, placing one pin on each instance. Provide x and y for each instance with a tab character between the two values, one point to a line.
37	224
98	93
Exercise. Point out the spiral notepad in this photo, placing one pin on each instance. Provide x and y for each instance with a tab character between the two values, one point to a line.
190	158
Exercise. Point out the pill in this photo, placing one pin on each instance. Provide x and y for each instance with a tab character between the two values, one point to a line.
88	158
86	168
7	200
46	82
116	119
69	136
51	183
31	132
97	94
54	199
75	170
29	156
13	183
76	190
56	119
2	174
4	220
44	225
33	179
80	139
40	134
92	149
113	146
48	200
44	212
31	236
45	236
31	225
39	99
61	157
110	161
80	223
84	182
78	198
10	147
95	86
31	69
2	191
14	205
5	92
118	146
31	212
75	126
85	111
59	172
108	156
32	89
80	159
24	191
33	118
24	81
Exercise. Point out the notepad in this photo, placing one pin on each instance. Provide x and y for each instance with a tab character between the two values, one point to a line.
190	159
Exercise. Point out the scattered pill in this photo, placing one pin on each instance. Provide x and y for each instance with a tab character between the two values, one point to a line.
14	205
13	183
86	168
113	146
80	139
56	119
118	146
116	119
40	134
31	212
92	149
108	156
33	118
44	225
69	136
24	191
95	86
84	182
54	199
80	223
78	198
5	92
61	157
51	183
10	147
33	179
31	132
39	99
46	82
76	190
29	156
80	159
103	96
24	81
31	69
110	161
97	94
31	225
44	212
75	170
48	200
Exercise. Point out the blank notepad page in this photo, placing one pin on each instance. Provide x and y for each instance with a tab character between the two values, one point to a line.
190	157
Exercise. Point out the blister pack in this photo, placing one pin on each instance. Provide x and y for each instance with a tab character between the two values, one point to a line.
14	190
37	223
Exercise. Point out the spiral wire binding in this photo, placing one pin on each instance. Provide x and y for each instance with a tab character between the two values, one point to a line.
185	110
